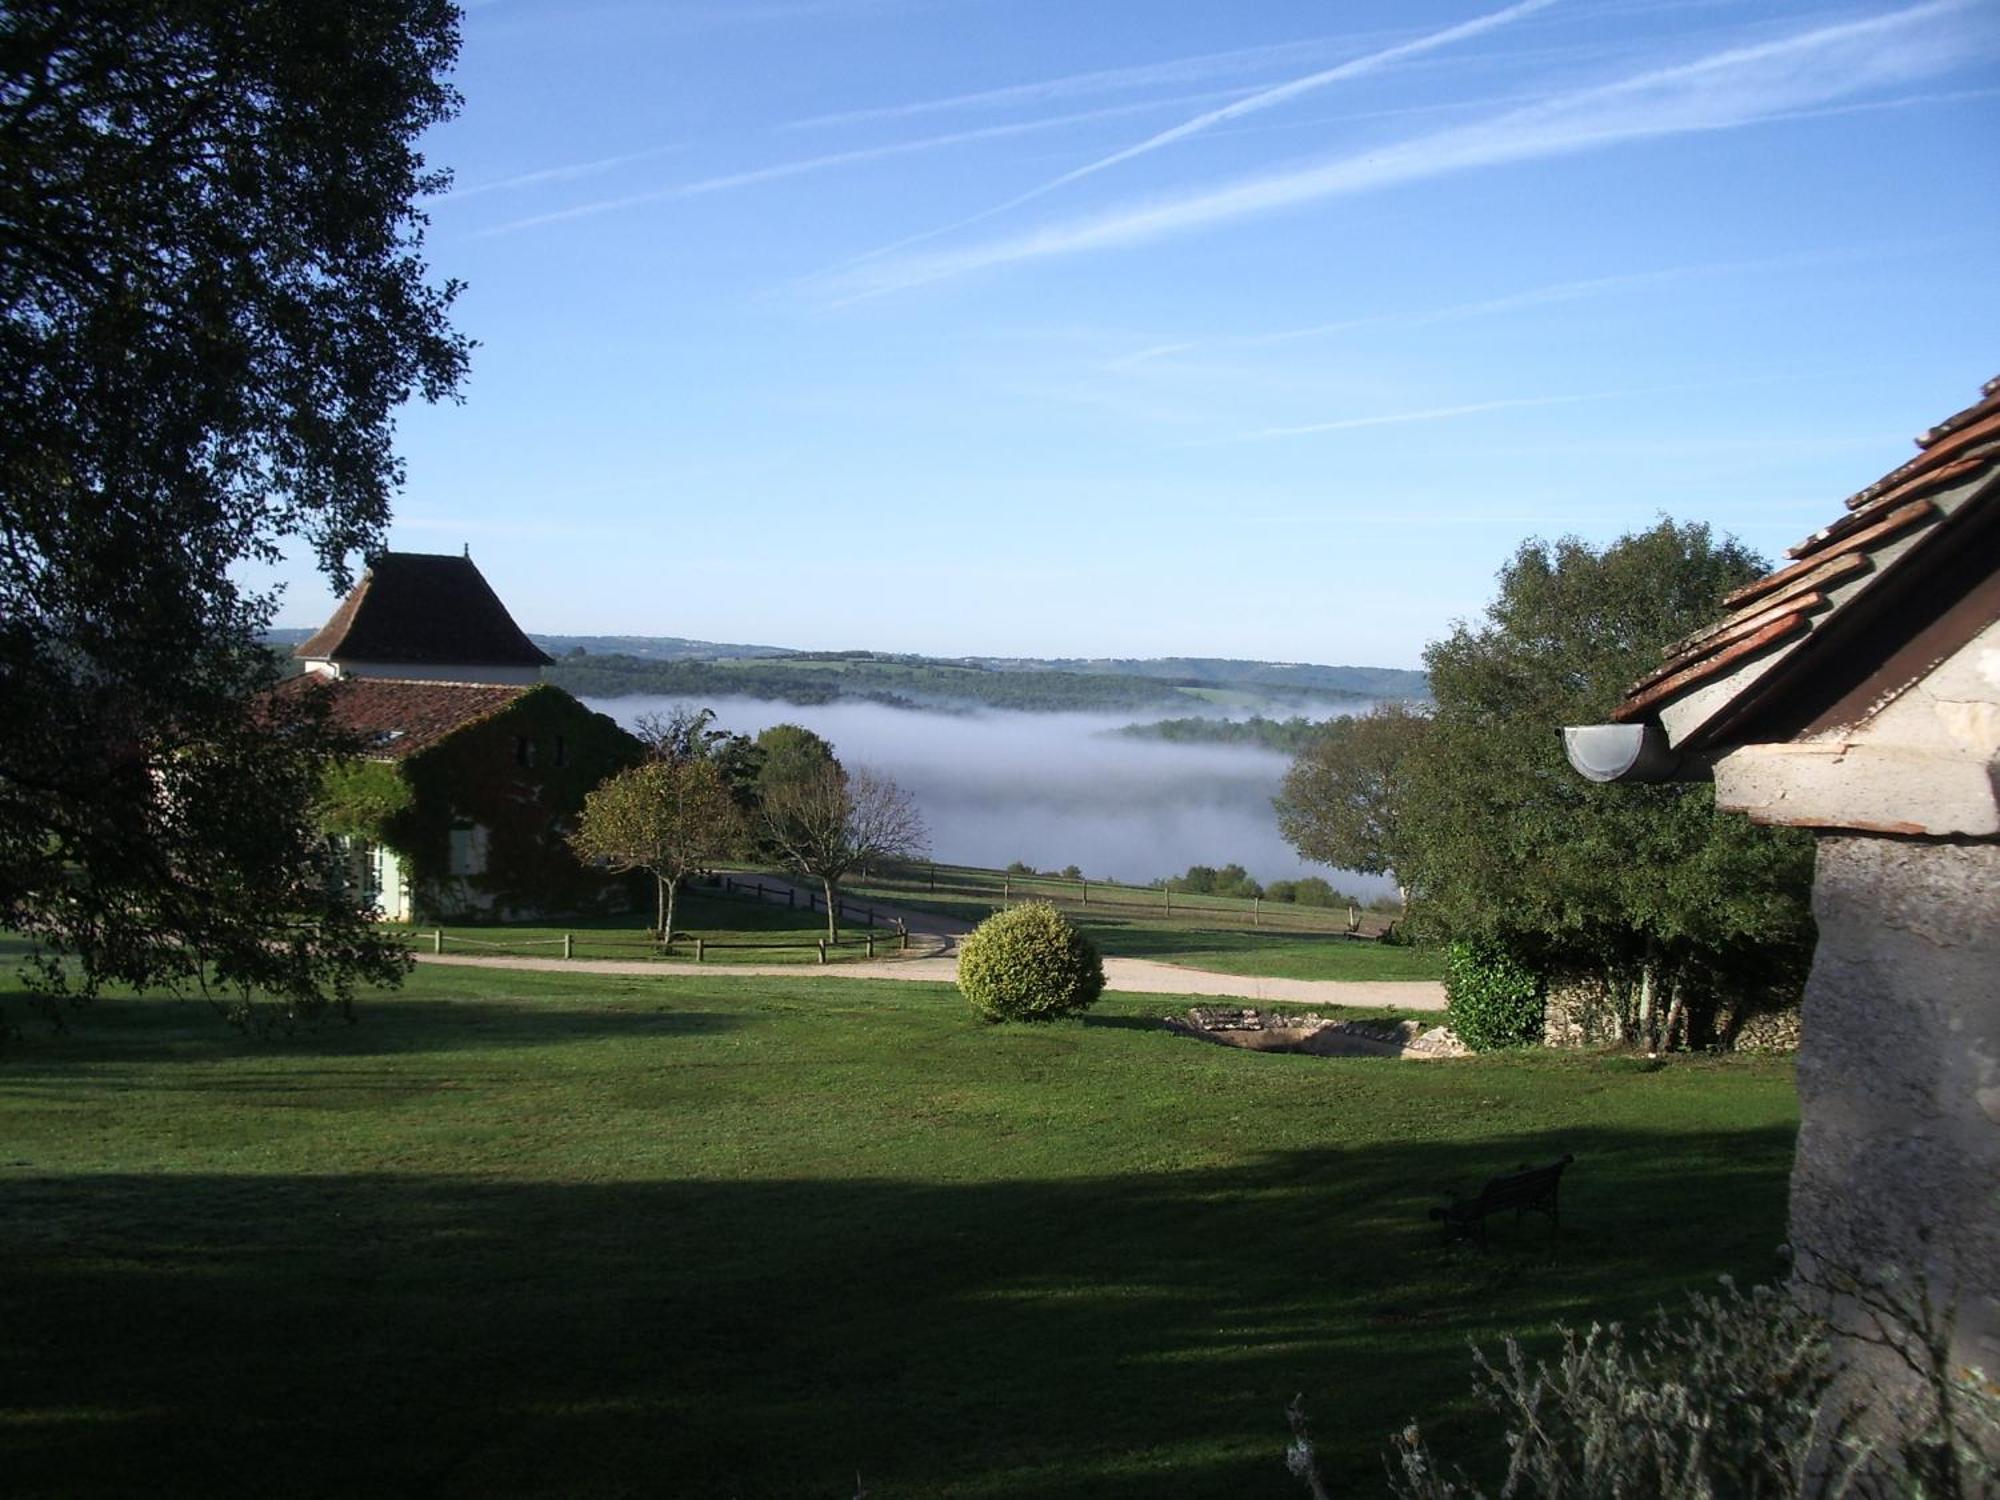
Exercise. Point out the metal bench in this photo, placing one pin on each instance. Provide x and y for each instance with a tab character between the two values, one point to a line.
1527	1190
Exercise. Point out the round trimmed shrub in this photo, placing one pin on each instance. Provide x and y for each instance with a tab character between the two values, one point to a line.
1029	963
1492	999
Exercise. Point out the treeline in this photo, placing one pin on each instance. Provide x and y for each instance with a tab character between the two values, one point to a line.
902	682
1287	735
1234	881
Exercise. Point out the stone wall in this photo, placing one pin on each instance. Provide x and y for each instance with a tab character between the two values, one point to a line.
1897	1179
1581	1010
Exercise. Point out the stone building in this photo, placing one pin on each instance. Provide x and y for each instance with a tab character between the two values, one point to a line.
1856	693
472	771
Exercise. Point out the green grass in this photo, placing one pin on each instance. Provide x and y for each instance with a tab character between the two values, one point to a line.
1220	933
1275	955
732	929
532	1233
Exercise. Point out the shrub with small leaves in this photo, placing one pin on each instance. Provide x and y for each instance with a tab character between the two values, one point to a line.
1492	999
1029	963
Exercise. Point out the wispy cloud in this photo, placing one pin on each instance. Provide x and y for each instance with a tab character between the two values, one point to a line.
1178	72
805	165
1527	300
1426	414
543	176
1262	99
1727	90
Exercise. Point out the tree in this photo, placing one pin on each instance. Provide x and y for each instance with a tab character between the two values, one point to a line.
827	822
212	300
1500	841
670	817
1339	801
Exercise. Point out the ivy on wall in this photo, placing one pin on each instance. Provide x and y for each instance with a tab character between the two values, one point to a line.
521	774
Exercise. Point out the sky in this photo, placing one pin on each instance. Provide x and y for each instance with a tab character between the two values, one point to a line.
1266	329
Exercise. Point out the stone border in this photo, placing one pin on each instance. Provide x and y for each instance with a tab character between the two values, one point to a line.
1260	1031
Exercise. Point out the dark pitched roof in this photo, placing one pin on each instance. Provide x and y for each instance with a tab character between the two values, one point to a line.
1925	526
395	717
427	608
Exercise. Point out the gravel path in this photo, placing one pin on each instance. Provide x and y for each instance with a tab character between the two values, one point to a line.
938	963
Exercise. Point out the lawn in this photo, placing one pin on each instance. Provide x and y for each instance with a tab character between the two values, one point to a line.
751	1237
1230	936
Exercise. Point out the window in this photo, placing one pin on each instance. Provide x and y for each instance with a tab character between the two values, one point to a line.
524	750
468	849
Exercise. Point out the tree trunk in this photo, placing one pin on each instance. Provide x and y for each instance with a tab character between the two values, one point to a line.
662	907
669	889
832	911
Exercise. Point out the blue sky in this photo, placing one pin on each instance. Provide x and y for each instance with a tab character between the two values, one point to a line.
1138	327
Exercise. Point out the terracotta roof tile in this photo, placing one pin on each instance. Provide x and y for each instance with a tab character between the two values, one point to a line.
1897	520
397	718
1910	504
1707	666
425	608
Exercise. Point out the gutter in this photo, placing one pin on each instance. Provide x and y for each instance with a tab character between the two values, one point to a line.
1621	752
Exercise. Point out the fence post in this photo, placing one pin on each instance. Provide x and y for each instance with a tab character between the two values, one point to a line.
700	945
933	875
437	940
569	946
791	898
1256	911
1168	893
902	936
871	942
822	950
1086	891
1006	890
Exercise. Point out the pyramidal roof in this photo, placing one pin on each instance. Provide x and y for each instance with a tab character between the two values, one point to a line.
423	608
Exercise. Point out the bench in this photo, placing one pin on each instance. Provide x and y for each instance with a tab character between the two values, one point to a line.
1526	1190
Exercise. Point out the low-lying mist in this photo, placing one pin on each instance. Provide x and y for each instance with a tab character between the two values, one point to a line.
1053	789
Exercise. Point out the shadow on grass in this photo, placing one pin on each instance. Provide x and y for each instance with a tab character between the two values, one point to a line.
1119	1336
117	1031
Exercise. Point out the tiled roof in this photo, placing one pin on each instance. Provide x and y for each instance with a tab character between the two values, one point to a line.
423	607
1890	525
395	718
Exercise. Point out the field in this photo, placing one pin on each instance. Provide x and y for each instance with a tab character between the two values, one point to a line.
753	1237
731	929
1223	933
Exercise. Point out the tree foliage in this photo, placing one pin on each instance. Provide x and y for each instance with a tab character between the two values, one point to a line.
1340	799
672	818
825	822
1501	841
212	300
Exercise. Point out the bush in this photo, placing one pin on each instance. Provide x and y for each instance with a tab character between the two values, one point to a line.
1492	999
1029	963
1312	891
1740	1395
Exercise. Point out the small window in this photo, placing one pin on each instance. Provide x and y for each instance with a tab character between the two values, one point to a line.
562	751
524	750
468	850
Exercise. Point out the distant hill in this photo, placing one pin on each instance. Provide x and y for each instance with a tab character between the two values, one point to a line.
619	666
1220	671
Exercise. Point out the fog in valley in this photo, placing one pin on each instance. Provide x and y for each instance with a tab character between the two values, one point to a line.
1054	789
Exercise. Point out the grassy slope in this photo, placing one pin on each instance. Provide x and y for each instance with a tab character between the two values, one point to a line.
1230	936
746	1237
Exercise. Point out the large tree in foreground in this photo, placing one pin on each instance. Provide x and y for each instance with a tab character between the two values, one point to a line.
826	822
212	301
672	818
1499	840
